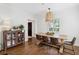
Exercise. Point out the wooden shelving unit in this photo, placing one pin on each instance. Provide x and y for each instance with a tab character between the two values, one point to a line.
13	38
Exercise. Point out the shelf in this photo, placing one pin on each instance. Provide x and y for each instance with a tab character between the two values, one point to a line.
14	39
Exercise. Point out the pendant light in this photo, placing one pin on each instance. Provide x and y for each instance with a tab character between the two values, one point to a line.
49	15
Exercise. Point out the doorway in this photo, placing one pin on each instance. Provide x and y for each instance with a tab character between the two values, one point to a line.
29	29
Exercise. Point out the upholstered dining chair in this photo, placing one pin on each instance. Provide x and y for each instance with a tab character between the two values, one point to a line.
70	43
38	39
55	43
45	39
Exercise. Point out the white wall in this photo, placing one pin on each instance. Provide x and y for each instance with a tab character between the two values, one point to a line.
77	11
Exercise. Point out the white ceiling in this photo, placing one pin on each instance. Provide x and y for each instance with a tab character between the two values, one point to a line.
36	8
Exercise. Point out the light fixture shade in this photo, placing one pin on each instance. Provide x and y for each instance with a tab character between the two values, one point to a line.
49	15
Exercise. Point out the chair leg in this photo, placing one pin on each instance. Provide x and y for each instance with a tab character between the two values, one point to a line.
63	48
73	49
59	52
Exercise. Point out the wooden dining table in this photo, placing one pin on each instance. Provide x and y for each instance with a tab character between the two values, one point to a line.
61	39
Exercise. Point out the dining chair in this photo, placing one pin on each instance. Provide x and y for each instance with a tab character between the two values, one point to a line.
70	43
55	43
38	40
38	37
45	39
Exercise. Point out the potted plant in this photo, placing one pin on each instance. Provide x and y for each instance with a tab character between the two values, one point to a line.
21	27
14	28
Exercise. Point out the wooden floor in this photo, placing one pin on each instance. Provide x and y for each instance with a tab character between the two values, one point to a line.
30	48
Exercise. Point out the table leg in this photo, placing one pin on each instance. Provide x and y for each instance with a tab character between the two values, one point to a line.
61	47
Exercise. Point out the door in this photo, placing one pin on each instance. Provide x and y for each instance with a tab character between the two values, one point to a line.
29	28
